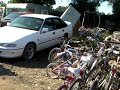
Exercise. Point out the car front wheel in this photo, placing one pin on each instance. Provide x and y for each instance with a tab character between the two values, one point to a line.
29	52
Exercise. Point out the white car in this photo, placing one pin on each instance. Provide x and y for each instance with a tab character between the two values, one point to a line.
30	33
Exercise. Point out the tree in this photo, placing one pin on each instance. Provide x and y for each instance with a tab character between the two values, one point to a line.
61	8
85	5
116	10
41	2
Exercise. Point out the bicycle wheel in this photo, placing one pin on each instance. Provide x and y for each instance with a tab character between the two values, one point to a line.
78	84
52	54
98	73
94	85
51	72
115	84
62	87
108	83
91	83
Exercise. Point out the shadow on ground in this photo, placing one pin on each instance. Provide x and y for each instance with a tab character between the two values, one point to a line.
5	71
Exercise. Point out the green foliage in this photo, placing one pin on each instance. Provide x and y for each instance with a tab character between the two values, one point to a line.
3	5
41	2
85	5
116	11
61	8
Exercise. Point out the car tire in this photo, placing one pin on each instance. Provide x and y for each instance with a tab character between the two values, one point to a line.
29	51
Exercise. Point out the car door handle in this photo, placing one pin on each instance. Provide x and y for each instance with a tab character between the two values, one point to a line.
63	30
53	32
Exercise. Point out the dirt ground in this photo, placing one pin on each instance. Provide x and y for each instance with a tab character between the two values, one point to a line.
17	74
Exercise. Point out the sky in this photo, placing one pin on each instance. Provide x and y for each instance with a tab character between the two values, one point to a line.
61	3
104	7
4	1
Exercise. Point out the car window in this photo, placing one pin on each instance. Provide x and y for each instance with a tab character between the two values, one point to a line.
49	24
27	22
59	23
12	16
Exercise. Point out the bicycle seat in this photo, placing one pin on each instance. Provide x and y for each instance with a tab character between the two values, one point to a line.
75	71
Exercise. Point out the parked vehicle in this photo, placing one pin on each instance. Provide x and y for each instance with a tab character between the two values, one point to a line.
9	18
30	33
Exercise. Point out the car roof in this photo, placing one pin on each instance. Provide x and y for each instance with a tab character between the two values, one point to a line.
42	16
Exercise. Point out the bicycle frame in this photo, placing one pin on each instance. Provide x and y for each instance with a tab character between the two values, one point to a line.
67	82
111	75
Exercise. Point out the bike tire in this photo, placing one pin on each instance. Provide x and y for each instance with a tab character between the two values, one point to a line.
97	74
107	86
94	85
107	82
52	54
62	87
76	85
49	71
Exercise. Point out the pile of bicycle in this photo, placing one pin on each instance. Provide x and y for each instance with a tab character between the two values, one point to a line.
93	65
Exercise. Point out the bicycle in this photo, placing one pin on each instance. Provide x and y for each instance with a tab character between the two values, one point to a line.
109	79
65	45
60	67
67	70
91	66
54	51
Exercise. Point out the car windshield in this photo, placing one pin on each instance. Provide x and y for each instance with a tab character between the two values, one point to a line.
27	23
12	16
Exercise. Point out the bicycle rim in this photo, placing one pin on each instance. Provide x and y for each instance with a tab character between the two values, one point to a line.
108	84
52	54
50	72
94	85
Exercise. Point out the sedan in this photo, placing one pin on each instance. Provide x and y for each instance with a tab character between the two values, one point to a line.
10	17
30	33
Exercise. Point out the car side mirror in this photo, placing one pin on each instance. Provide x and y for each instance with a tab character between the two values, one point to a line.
44	30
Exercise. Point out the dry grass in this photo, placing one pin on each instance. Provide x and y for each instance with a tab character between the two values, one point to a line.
16	74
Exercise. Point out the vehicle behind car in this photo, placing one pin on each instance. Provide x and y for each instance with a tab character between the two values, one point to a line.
10	17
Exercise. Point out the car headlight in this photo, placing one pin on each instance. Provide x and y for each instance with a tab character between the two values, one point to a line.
8	45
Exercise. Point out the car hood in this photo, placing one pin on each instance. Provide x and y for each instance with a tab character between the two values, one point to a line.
10	34
5	20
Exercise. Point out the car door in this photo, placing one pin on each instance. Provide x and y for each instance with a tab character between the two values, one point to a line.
47	38
60	27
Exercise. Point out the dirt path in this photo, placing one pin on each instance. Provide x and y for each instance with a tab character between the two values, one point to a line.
16	74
